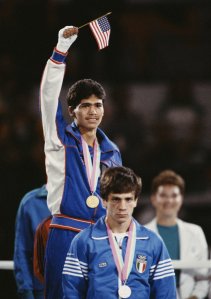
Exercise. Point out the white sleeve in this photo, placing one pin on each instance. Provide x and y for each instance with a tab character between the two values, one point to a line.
51	85
54	150
201	287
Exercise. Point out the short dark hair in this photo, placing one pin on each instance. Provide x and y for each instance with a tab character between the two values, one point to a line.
83	89
168	177
119	180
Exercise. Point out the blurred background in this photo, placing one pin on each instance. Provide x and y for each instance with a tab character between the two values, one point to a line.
157	74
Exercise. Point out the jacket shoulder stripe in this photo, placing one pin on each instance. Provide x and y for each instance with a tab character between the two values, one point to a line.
163	276
72	274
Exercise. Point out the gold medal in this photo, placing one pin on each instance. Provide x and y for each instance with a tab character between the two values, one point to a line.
92	201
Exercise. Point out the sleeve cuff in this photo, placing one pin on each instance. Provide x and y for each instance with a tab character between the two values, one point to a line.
58	57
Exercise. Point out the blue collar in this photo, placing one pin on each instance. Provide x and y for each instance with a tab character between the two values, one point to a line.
99	230
106	145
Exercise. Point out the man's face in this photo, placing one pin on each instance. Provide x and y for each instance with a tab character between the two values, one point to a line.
167	200
120	207
89	113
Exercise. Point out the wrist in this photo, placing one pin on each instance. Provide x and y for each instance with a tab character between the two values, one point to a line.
58	56
62	47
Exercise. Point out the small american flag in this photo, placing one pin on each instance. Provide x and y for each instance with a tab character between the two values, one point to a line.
101	30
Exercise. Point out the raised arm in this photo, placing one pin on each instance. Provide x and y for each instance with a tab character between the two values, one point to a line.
53	121
51	83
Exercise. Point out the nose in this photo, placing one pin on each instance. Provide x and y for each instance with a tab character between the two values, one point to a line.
122	205
92	109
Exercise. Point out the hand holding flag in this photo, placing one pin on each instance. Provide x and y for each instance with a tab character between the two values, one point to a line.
100	28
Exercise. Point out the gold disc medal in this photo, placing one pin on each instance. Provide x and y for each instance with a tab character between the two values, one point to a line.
92	201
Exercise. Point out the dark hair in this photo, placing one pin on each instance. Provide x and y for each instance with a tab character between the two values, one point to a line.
83	89
168	177
119	180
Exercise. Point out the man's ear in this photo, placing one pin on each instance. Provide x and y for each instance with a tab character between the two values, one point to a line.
71	111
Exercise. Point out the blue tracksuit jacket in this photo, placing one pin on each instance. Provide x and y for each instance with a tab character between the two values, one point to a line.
67	183
90	272
32	210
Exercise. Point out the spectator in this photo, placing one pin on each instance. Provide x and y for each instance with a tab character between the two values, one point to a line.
32	210
183	240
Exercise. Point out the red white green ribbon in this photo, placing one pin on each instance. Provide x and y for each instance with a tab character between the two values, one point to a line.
123	267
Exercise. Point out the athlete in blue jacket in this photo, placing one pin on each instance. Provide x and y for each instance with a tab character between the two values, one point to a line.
117	257
76	154
32	210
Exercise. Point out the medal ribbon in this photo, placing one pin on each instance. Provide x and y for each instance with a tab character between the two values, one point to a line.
123	267
92	169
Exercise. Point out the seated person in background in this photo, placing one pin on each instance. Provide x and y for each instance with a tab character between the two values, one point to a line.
117	257
183	240
32	210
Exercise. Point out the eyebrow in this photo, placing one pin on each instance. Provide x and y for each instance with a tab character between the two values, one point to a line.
174	193
89	101
118	197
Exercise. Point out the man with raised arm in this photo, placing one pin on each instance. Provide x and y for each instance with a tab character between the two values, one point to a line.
76	154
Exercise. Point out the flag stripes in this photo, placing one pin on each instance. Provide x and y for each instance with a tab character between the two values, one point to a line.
101	30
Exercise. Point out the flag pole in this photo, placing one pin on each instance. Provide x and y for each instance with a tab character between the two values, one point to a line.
108	13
